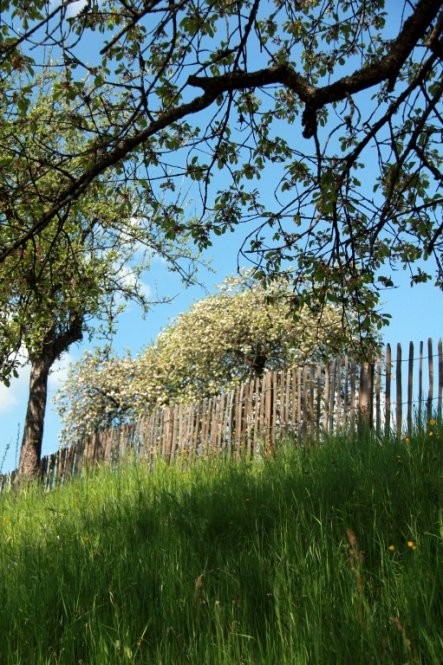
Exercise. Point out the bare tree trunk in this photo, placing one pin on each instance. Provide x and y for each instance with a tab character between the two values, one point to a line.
55	343
30	452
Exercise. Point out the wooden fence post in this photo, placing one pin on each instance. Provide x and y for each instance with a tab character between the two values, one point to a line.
410	386
440	379
399	392
420	386
388	371
364	398
377	388
429	405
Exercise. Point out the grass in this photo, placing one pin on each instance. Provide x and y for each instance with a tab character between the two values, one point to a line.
329	555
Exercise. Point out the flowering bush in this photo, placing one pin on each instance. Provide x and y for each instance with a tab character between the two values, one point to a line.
223	341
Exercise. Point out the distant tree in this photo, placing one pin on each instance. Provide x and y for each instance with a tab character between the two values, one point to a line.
334	104
223	341
82	266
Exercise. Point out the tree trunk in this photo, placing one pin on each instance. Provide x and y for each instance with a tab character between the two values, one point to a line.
55	343
30	452
259	364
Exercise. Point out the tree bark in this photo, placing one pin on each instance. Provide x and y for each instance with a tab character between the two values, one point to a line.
259	363
55	343
30	453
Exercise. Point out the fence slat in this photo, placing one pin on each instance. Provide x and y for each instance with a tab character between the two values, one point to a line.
429	405
318	403
410	385
377	393
399	398
238	419
223	405
338	371
282	418
420	385
299	390
388	372
440	379
249	415
364	397
311	382
326	401
346	393
294	401
269	405
275	380
331	407
288	402
352	394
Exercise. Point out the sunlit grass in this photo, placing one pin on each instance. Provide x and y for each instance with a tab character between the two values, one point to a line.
328	555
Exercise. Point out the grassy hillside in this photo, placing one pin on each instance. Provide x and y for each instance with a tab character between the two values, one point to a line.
331	555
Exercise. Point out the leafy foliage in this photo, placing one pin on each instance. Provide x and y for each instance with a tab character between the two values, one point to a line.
334	106
82	265
86	262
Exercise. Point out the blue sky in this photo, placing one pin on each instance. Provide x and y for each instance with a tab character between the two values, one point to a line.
417	313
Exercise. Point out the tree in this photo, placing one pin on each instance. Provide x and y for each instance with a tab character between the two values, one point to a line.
336	102
223	341
79	269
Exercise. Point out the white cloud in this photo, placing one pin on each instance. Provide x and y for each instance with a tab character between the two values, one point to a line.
15	394
74	7
129	280
59	371
145	289
158	258
8	400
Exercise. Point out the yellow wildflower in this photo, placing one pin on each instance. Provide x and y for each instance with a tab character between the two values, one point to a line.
432	422
431	433
411	545
392	548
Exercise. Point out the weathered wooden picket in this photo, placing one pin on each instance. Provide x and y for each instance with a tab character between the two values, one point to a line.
307	402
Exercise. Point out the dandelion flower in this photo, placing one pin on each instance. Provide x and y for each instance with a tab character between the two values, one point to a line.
392	548
432	422
431	433
411	545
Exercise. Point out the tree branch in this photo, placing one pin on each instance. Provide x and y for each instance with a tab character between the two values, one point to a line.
107	160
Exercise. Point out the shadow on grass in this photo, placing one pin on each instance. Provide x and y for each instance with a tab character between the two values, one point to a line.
234	562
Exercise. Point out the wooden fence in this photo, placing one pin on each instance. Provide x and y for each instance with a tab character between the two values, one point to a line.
390	394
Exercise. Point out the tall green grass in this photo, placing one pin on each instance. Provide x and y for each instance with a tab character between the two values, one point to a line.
328	555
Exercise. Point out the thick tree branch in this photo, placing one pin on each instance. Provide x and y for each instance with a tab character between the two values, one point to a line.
385	69
239	80
388	67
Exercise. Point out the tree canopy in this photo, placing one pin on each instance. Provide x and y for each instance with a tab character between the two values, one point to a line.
77	273
86	261
220	343
316	122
